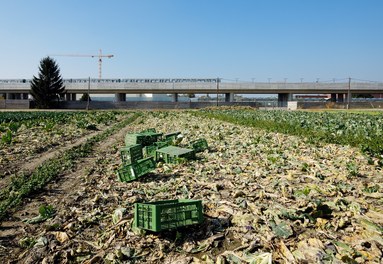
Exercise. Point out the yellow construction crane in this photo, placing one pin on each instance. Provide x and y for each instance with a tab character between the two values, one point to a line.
99	56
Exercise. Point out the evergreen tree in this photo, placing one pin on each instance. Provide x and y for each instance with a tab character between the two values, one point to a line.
48	87
84	97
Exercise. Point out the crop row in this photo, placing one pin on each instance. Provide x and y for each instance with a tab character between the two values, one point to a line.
358	130
23	138
23	185
60	117
13	121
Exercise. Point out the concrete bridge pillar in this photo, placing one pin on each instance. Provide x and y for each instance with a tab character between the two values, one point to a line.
10	96
333	97
120	97
340	98
283	98
229	97
175	97
346	97
70	97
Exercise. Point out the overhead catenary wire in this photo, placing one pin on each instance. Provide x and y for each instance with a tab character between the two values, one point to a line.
355	79
333	80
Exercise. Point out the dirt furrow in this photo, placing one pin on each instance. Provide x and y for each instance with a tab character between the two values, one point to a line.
61	194
31	164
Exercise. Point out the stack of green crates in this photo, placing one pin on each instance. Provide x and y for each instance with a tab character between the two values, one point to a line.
168	214
134	165
160	215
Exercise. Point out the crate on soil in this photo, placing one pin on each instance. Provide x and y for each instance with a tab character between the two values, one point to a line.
173	154
150	130
171	137
131	153
168	214
144	138
131	172
150	151
199	145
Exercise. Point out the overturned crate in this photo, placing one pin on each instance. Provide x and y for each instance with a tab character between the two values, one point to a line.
199	145
131	153
131	172
173	154
168	214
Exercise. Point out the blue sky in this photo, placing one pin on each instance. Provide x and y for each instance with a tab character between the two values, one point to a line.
230	39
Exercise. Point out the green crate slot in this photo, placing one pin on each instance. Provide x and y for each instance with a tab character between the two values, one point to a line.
169	214
131	172
131	154
199	145
173	154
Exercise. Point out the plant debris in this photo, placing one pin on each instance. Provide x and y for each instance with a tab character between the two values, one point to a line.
267	198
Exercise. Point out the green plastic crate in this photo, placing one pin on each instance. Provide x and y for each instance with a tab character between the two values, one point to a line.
144	139
173	154
131	172
150	130
150	151
161	144
169	214
131	154
199	145
171	137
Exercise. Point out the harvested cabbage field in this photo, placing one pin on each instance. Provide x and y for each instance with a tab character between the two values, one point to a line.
276	187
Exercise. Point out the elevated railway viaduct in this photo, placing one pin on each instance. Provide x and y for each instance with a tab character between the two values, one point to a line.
340	92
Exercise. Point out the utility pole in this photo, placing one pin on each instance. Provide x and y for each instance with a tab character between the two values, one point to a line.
88	99
217	89
349	93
